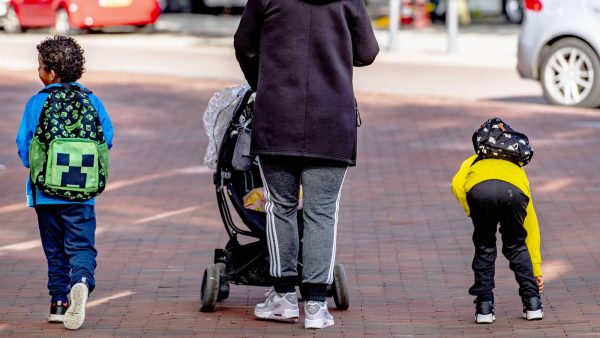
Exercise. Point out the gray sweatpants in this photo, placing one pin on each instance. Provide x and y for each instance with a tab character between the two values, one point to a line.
322	185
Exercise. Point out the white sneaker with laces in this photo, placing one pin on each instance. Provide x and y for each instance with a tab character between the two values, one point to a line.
280	307
75	314
316	315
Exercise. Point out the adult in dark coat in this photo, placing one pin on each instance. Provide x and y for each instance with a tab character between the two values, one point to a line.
298	55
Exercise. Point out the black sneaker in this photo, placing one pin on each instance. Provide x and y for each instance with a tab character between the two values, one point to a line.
532	308
57	312
484	312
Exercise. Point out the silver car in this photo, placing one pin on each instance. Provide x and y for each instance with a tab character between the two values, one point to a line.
559	46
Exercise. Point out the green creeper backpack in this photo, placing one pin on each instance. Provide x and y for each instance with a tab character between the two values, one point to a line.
68	156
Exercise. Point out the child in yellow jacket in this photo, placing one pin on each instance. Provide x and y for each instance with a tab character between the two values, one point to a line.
492	191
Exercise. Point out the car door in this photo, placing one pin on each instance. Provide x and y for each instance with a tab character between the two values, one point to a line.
36	13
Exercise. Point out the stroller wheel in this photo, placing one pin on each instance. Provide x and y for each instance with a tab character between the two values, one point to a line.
223	284
210	288
339	288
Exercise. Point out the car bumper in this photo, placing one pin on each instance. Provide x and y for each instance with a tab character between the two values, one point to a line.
526	60
531	41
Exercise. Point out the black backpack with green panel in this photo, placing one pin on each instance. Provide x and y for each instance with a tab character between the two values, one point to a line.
68	155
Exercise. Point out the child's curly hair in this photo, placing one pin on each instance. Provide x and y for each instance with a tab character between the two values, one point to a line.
63	55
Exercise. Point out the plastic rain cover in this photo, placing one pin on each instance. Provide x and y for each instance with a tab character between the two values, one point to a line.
221	107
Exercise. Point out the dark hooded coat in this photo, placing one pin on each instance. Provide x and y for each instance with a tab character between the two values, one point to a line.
298	57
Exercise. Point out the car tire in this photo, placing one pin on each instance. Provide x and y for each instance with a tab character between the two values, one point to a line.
199	6
145	29
513	11
11	22
62	23
570	74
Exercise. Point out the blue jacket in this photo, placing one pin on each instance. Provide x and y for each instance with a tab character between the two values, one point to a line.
31	116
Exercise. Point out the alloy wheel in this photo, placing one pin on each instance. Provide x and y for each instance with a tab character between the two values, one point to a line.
569	76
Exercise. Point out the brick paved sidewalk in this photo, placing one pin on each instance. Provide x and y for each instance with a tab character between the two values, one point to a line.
403	238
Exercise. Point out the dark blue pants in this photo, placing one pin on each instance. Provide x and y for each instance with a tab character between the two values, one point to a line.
67	232
492	202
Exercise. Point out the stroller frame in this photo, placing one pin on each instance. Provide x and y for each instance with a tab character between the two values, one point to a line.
246	264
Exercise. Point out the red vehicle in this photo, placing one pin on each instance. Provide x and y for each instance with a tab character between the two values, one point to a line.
65	16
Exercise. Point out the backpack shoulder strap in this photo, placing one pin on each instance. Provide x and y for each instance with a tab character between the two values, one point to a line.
66	86
477	159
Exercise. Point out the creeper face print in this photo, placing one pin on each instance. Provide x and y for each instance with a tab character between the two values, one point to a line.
74	170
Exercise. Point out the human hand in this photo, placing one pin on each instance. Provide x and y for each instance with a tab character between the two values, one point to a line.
540	282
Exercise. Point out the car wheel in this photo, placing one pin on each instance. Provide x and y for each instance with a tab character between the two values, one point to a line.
570	74
145	29
62	24
11	22
200	6
513	10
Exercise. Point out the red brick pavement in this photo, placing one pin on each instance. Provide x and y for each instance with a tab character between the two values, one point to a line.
403	239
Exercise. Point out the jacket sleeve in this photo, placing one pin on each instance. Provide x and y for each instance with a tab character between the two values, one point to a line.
26	131
246	41
458	184
107	126
533	239
364	43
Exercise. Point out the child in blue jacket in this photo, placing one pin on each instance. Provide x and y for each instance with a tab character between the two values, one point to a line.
67	228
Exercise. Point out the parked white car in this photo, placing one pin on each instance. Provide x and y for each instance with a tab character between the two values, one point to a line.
558	46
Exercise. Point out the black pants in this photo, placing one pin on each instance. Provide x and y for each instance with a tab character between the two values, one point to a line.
492	202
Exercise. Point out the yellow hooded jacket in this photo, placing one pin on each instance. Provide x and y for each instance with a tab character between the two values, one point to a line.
492	169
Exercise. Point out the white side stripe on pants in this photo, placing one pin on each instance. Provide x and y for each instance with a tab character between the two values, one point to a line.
337	210
275	263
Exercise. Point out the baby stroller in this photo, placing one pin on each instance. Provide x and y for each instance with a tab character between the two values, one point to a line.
246	264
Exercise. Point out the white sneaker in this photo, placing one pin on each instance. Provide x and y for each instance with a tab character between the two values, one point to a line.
533	309
75	314
316	315
282	307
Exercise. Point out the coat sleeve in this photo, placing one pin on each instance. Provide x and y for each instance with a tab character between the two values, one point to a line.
364	43
458	184
533	239
246	41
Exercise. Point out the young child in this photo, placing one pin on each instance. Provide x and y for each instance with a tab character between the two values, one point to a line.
492	191
67	227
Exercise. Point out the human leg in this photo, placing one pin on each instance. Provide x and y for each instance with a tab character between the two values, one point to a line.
513	238
515	249
52	236
281	179
482	203
80	228
484	214
322	183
